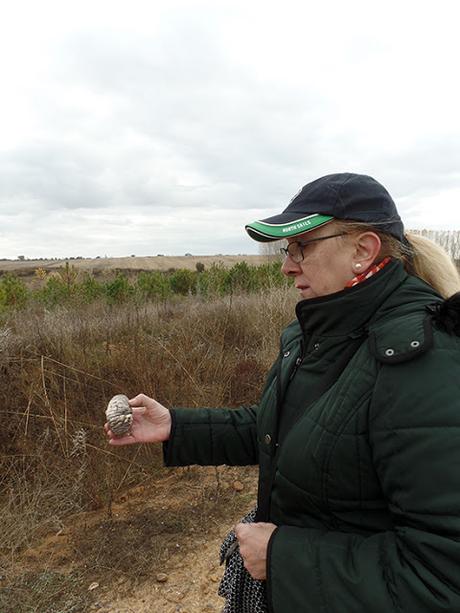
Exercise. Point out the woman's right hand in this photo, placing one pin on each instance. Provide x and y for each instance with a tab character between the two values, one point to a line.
151	423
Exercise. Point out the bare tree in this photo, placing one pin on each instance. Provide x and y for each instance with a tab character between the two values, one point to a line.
448	239
271	248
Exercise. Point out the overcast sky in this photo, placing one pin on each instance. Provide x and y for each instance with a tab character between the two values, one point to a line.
164	126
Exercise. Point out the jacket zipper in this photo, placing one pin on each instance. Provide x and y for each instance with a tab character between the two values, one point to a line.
298	362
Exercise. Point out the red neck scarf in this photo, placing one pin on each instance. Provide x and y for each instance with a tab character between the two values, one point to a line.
368	273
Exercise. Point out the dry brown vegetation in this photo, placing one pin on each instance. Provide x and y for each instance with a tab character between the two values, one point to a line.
58	369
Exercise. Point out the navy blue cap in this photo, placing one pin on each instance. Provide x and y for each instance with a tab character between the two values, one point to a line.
345	195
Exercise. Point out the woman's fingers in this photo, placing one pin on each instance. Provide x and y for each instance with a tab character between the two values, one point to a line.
118	440
139	410
141	400
128	439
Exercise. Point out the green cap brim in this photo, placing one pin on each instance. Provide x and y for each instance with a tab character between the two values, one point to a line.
265	231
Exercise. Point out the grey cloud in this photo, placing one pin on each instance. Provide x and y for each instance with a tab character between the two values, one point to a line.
422	169
190	102
169	124
192	113
53	175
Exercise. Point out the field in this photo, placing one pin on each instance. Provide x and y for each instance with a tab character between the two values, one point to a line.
89	527
103	266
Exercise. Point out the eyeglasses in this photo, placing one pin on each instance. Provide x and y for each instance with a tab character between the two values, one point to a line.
295	249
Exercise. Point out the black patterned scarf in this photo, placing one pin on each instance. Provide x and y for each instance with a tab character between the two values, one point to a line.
242	593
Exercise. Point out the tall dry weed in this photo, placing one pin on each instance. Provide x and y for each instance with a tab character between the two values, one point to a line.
58	369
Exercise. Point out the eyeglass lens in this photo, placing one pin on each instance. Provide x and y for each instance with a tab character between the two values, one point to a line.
294	250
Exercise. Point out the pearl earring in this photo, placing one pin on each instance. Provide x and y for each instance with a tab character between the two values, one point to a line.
358	266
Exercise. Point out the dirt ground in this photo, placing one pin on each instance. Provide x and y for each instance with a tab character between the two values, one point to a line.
155	550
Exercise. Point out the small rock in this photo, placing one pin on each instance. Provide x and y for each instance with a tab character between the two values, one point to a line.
215	578
238	486
162	577
177	596
93	586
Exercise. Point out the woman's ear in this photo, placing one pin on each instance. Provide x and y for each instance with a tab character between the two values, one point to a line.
367	249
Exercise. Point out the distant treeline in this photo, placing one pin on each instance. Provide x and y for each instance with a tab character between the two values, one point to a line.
448	239
68	286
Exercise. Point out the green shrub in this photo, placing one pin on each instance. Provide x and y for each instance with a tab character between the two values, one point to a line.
119	290
183	282
13	293
270	276
212	282
241	277
68	274
55	292
153	284
89	289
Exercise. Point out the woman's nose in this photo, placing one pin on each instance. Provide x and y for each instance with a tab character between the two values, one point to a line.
289	267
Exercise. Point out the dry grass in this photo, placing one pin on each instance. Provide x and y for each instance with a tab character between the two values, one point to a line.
45	592
59	369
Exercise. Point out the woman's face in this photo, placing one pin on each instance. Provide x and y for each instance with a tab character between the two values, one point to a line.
326	266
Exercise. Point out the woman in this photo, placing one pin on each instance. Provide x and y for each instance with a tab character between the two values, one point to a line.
357	433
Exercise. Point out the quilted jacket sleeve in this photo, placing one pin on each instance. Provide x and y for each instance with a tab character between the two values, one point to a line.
414	429
212	437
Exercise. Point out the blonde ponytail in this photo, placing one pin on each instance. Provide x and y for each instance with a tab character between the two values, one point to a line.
433	264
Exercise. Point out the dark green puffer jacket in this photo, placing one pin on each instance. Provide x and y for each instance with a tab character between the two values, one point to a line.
363	482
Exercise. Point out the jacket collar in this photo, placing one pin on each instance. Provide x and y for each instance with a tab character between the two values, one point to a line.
350	310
